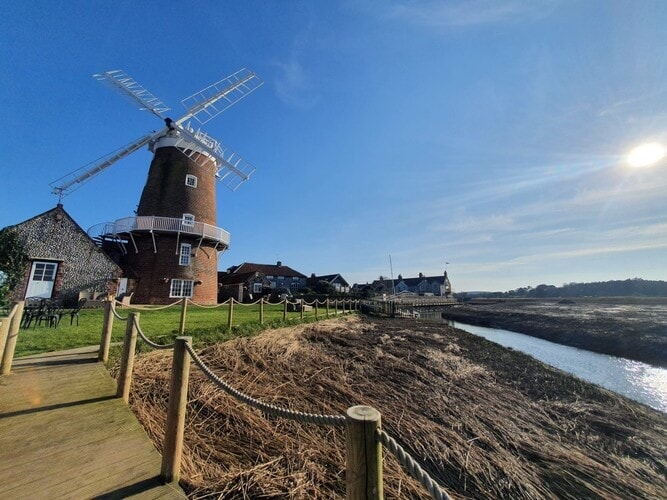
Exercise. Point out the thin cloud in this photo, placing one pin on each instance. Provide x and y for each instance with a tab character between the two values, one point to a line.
293	85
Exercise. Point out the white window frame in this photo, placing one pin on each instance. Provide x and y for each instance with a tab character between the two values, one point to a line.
185	254
181	288
256	288
191	180
188	220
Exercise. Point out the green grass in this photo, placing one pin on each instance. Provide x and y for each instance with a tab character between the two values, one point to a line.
204	325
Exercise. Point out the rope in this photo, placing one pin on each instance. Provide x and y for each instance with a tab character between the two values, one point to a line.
113	310
154	308
147	340
413	467
271	410
207	307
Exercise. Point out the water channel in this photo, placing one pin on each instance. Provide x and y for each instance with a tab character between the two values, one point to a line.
633	379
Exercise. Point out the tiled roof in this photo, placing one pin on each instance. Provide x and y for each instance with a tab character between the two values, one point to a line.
267	269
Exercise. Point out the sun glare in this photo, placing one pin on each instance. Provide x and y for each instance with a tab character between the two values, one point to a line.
646	155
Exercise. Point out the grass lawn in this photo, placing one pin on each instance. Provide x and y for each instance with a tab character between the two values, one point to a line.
205	325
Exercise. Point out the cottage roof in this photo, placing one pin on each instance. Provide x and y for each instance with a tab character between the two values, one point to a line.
267	269
329	278
237	278
34	243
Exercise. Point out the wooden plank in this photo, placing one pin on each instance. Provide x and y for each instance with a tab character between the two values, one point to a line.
64	435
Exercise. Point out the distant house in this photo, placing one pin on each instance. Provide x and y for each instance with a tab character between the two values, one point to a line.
278	275
421	285
336	281
62	259
243	287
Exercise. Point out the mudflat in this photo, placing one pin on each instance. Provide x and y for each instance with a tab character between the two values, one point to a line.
628	327
484	421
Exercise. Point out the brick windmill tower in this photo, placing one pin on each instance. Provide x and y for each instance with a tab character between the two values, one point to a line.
169	249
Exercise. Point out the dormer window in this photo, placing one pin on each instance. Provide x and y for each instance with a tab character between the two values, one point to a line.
188	220
191	181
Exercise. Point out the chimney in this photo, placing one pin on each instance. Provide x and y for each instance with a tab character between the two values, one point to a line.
279	263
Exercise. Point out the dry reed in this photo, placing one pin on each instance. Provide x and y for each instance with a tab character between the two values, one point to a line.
484	421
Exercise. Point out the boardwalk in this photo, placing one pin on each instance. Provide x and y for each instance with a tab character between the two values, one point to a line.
63	434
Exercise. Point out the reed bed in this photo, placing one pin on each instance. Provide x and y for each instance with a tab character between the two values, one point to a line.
484	421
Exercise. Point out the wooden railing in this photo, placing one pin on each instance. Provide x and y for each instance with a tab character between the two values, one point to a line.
364	436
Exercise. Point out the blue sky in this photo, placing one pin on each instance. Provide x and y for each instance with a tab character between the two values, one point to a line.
488	134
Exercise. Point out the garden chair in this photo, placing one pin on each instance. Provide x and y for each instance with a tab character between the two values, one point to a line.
74	313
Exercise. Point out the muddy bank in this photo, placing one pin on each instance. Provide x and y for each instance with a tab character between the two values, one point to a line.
485	421
634	329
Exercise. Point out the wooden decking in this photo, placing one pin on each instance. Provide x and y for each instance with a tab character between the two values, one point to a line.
63	434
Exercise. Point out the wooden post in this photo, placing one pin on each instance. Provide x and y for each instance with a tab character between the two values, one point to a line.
316	308
261	310
127	359
178	398
327	307
363	469
184	311
302	306
230	318
11	337
343	307
107	328
285	310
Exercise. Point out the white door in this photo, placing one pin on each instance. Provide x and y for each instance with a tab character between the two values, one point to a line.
122	286
42	279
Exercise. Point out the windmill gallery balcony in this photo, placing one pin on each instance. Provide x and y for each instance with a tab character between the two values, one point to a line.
126	227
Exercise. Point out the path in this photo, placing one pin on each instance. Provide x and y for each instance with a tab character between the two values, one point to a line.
64	434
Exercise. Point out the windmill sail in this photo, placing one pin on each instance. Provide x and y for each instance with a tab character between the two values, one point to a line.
129	87
72	181
208	103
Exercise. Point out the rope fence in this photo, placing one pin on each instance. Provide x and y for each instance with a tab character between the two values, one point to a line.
364	437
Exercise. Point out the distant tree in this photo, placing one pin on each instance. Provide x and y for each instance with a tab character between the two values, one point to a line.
12	262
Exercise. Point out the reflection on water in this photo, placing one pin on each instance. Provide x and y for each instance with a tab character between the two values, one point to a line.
633	379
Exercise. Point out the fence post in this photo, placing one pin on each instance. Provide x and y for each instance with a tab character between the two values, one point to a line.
178	398
317	301
302	306
363	470
327	307
230	318
343	307
5	321
261	310
184	312
107	328
285	310
12	334
127	359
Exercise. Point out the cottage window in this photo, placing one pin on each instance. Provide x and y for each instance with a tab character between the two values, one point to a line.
294	285
186	252
181	288
191	181
256	288
44	271
188	220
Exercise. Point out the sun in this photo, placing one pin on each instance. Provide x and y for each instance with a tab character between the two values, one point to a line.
646	155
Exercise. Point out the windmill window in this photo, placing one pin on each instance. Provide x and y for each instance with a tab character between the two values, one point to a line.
181	288
191	181
188	220
186	252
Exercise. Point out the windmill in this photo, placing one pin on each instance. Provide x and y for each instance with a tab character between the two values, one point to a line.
170	248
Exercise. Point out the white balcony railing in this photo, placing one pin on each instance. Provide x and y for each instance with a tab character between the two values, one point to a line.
167	225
